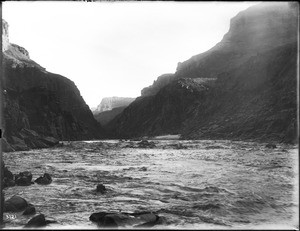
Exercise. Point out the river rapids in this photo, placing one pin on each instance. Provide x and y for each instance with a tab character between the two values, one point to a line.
207	184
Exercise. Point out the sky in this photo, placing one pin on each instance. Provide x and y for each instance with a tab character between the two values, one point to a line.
116	48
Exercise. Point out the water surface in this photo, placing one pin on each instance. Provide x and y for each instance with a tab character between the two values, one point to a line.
191	184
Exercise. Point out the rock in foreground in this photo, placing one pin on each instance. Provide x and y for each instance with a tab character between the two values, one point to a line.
112	220
38	221
23	178
15	204
44	180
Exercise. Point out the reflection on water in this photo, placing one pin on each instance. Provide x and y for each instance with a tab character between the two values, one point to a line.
198	184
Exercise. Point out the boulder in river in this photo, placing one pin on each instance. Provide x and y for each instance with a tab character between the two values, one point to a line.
101	188
29	210
45	179
38	221
15	204
146	144
143	169
270	145
23	178
110	220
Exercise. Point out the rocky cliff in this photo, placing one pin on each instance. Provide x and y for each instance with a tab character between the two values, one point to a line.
110	103
258	29
161	113
159	83
256	101
106	116
39	105
251	75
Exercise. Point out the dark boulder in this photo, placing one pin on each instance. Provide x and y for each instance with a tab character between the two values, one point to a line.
23	178
101	188
111	220
270	145
143	169
15	204
146	144
98	217
45	179
29	210
37	221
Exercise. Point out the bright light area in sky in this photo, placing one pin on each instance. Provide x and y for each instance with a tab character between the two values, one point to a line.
116	48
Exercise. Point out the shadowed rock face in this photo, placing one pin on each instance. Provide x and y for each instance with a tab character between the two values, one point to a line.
110	107
253	94
47	104
256	101
258	29
161	113
106	116
161	81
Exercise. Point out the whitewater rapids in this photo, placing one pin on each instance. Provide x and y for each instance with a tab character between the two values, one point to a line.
197	184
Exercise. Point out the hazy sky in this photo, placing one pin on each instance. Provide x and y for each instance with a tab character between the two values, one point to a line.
116	48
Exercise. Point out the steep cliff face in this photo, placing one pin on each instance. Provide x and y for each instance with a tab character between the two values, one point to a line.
161	113
256	101
253	87
106	116
159	83
41	103
110	103
259	28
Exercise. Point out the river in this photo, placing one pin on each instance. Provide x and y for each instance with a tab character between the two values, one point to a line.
204	184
